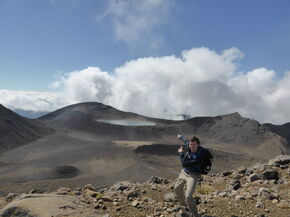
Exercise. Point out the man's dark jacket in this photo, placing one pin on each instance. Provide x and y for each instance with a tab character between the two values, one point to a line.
192	162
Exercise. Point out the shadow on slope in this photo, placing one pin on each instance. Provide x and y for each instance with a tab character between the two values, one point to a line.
222	160
16	130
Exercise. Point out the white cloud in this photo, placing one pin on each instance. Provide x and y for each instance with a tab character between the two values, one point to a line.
31	100
88	84
134	20
201	82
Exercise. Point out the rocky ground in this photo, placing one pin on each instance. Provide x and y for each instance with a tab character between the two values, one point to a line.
257	191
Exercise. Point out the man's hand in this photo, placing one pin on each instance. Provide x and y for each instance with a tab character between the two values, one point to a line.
180	149
179	135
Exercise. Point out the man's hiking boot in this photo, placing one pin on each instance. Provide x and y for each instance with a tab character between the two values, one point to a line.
183	209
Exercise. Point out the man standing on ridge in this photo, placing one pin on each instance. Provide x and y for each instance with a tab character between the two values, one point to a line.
191	162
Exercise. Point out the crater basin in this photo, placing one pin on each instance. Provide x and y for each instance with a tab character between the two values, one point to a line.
128	122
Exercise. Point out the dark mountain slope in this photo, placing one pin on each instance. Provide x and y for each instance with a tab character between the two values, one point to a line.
282	130
237	134
230	132
16	130
89	109
73	116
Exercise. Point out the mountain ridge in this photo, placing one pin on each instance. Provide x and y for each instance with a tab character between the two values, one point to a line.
16	130
83	148
222	129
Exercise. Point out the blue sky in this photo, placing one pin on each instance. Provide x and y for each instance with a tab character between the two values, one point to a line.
43	40
40	38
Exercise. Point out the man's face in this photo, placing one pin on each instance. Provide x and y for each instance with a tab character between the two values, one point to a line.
193	146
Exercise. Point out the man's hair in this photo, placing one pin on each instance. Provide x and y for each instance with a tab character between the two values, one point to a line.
195	139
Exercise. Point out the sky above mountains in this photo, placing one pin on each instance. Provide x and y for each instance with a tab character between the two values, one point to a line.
158	58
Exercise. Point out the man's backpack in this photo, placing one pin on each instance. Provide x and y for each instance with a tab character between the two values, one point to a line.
208	159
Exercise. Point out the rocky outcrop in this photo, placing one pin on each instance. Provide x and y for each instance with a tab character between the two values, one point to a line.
280	160
261	190
47	205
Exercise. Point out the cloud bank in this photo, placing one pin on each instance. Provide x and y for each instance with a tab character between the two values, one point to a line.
199	82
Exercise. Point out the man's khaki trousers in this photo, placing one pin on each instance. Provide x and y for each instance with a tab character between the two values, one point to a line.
187	199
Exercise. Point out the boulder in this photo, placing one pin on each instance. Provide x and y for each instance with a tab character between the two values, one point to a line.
270	174
280	160
135	203
234	185
253	177
260	167
16	211
158	180
249	171
89	187
121	186
44	205
239	197
90	193
226	173
36	191
170	197
63	191
241	170
265	193
11	196
133	193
